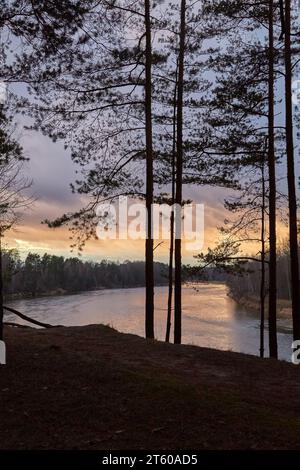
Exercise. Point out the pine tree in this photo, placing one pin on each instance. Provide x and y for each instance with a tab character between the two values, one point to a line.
179	175
101	106
272	192
292	198
149	317
257	73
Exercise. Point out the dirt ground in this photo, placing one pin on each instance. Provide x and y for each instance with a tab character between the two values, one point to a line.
94	388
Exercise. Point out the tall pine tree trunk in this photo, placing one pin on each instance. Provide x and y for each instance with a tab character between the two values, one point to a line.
272	196
179	168
170	289
172	219
293	237
149	269
263	265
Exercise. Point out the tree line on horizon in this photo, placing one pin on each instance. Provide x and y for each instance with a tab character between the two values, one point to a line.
152	97
50	274
246	286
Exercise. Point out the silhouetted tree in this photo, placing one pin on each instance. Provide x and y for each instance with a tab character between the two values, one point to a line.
149	317
12	187
179	174
272	191
292	198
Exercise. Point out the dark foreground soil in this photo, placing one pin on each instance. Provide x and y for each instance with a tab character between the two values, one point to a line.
93	388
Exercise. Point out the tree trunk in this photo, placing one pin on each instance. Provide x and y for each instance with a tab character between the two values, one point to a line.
293	236
170	289
272	196
179	167
172	220
149	270
263	266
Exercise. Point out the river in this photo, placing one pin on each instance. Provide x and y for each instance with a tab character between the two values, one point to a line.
210	318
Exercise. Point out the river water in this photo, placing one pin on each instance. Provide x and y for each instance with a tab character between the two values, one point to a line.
210	318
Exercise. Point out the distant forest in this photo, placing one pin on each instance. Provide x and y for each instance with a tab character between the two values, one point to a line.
248	284
50	274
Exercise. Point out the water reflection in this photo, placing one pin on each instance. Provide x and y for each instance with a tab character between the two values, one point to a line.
210	317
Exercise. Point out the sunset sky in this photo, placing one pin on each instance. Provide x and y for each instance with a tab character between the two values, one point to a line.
51	169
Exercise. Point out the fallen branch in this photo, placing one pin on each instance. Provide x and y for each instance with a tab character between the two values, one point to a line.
30	320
